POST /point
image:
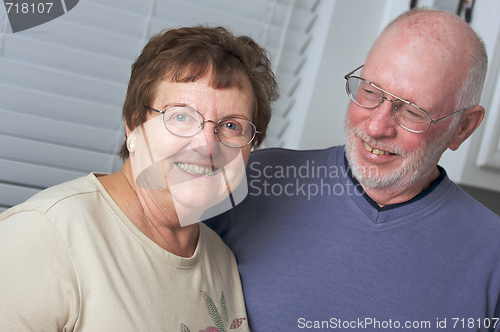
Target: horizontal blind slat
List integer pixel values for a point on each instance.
(70, 84)
(53, 105)
(56, 131)
(24, 174)
(107, 18)
(278, 126)
(88, 38)
(133, 6)
(59, 57)
(47, 154)
(11, 195)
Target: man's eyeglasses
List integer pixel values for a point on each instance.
(184, 121)
(408, 115)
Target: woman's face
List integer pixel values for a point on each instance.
(187, 175)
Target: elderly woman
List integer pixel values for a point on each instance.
(125, 251)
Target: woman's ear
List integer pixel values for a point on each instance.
(467, 125)
(130, 139)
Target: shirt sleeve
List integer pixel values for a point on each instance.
(38, 284)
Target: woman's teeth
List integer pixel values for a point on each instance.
(196, 170)
(376, 151)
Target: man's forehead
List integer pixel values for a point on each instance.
(427, 30)
(425, 85)
(422, 58)
(411, 54)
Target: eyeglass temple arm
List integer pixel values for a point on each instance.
(452, 114)
(352, 72)
(155, 110)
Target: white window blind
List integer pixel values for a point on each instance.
(63, 83)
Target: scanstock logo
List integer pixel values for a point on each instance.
(26, 14)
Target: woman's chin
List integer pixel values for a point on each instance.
(191, 196)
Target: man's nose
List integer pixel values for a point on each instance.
(381, 122)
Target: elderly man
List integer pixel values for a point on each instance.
(374, 235)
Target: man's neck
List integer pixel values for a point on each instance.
(400, 194)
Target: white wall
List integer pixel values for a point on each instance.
(352, 30)
(354, 27)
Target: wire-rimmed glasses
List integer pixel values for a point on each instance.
(184, 121)
(408, 115)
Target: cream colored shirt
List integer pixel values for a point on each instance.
(70, 260)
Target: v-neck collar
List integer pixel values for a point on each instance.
(395, 213)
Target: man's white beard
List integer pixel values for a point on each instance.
(416, 164)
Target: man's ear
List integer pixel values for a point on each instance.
(467, 125)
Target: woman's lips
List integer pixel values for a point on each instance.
(196, 169)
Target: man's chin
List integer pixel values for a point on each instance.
(376, 182)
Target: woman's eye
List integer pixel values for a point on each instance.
(230, 126)
(181, 117)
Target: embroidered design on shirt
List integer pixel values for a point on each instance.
(220, 318)
(237, 323)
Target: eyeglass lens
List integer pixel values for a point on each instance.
(368, 96)
(186, 122)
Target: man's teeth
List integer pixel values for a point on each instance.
(376, 151)
(196, 170)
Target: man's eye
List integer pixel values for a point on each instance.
(370, 93)
(410, 114)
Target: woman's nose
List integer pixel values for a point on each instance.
(206, 141)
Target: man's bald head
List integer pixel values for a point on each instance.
(441, 43)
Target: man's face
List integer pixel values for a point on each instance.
(381, 153)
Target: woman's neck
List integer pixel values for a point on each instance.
(162, 228)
